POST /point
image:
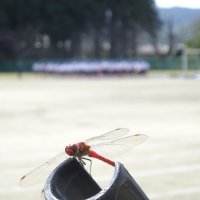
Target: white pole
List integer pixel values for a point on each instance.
(184, 61)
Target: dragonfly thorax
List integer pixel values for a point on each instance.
(77, 150)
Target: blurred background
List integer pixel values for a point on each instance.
(73, 70)
(49, 32)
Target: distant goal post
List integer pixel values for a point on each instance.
(190, 59)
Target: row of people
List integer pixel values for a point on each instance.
(89, 67)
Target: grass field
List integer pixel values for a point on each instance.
(40, 115)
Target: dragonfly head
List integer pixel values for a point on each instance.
(70, 150)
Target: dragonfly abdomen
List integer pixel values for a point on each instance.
(97, 156)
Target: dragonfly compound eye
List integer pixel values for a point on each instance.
(69, 151)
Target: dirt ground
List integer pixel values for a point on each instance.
(40, 115)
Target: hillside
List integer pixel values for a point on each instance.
(181, 17)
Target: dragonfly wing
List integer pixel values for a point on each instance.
(41, 172)
(119, 146)
(110, 136)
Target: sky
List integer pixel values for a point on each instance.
(179, 3)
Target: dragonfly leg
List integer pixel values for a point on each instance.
(42, 195)
(81, 161)
(89, 161)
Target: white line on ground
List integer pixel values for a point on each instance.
(177, 192)
(171, 170)
(160, 155)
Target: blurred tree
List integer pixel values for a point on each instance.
(129, 17)
(18, 27)
(195, 40)
(38, 28)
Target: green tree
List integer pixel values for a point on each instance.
(26, 25)
(129, 17)
(195, 40)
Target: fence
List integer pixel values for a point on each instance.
(156, 63)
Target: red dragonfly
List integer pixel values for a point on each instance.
(118, 141)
